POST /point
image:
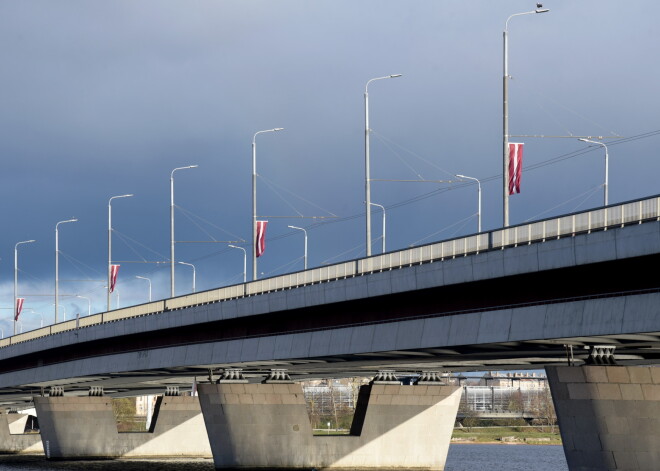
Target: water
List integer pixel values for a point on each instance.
(461, 458)
(506, 458)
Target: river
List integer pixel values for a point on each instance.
(460, 458)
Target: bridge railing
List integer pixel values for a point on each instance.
(632, 212)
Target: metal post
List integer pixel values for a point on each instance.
(607, 171)
(505, 113)
(110, 243)
(505, 131)
(244, 260)
(367, 170)
(149, 281)
(89, 304)
(16, 276)
(194, 276)
(254, 198)
(305, 232)
(383, 209)
(479, 198)
(57, 263)
(172, 225)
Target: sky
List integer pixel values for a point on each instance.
(99, 99)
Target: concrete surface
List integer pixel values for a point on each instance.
(85, 427)
(267, 426)
(609, 416)
(13, 438)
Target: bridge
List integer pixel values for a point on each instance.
(544, 294)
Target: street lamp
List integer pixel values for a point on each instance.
(110, 243)
(40, 314)
(149, 281)
(244, 260)
(367, 177)
(383, 209)
(479, 197)
(57, 263)
(254, 198)
(305, 232)
(505, 111)
(193, 268)
(89, 304)
(172, 225)
(16, 278)
(605, 185)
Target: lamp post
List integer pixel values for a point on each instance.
(149, 281)
(193, 269)
(40, 314)
(605, 185)
(16, 277)
(172, 225)
(89, 304)
(110, 243)
(383, 209)
(244, 260)
(505, 111)
(367, 177)
(305, 232)
(254, 198)
(479, 197)
(57, 263)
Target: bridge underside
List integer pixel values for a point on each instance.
(512, 309)
(631, 349)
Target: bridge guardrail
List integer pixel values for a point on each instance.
(133, 311)
(598, 219)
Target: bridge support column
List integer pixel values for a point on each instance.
(13, 438)
(266, 426)
(85, 428)
(609, 416)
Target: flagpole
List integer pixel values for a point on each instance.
(16, 277)
(254, 199)
(505, 114)
(367, 163)
(172, 226)
(110, 242)
(57, 263)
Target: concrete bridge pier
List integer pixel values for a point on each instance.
(13, 438)
(609, 416)
(85, 428)
(266, 426)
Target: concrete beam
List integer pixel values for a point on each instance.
(85, 428)
(13, 438)
(267, 426)
(609, 416)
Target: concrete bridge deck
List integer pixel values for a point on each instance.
(511, 299)
(508, 299)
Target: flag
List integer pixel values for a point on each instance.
(113, 276)
(515, 166)
(261, 237)
(19, 307)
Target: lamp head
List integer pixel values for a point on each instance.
(395, 75)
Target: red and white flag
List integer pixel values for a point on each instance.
(515, 166)
(113, 276)
(261, 237)
(19, 307)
